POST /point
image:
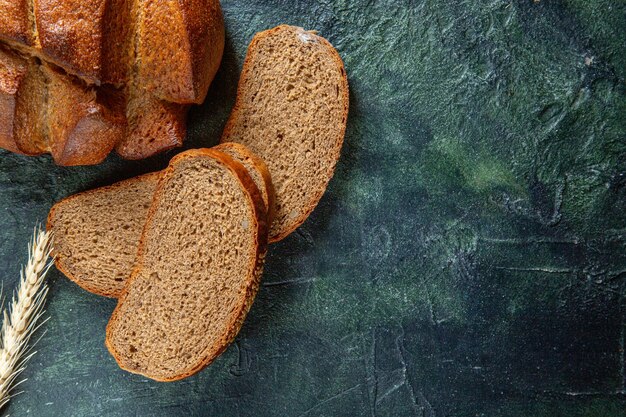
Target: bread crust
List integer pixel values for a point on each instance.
(180, 74)
(255, 267)
(59, 260)
(75, 45)
(243, 81)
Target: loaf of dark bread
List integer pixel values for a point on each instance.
(103, 74)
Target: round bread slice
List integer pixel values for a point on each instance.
(291, 111)
(96, 233)
(199, 264)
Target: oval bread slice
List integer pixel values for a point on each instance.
(291, 111)
(199, 264)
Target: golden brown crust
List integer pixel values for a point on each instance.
(245, 75)
(205, 25)
(256, 264)
(59, 259)
(183, 73)
(153, 126)
(76, 44)
(82, 127)
(15, 22)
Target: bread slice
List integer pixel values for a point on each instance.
(291, 110)
(96, 233)
(200, 261)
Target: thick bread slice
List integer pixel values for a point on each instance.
(199, 265)
(13, 70)
(96, 233)
(291, 110)
(179, 48)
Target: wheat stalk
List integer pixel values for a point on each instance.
(22, 315)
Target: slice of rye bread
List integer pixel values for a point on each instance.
(199, 265)
(291, 110)
(97, 232)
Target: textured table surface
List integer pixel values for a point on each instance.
(468, 259)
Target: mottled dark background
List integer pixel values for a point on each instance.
(468, 259)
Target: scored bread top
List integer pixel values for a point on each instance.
(183, 72)
(199, 265)
(96, 233)
(291, 111)
(13, 70)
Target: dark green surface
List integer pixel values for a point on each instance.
(468, 259)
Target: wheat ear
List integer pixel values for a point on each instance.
(21, 318)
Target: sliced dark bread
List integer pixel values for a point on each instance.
(291, 110)
(199, 264)
(96, 233)
(257, 170)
